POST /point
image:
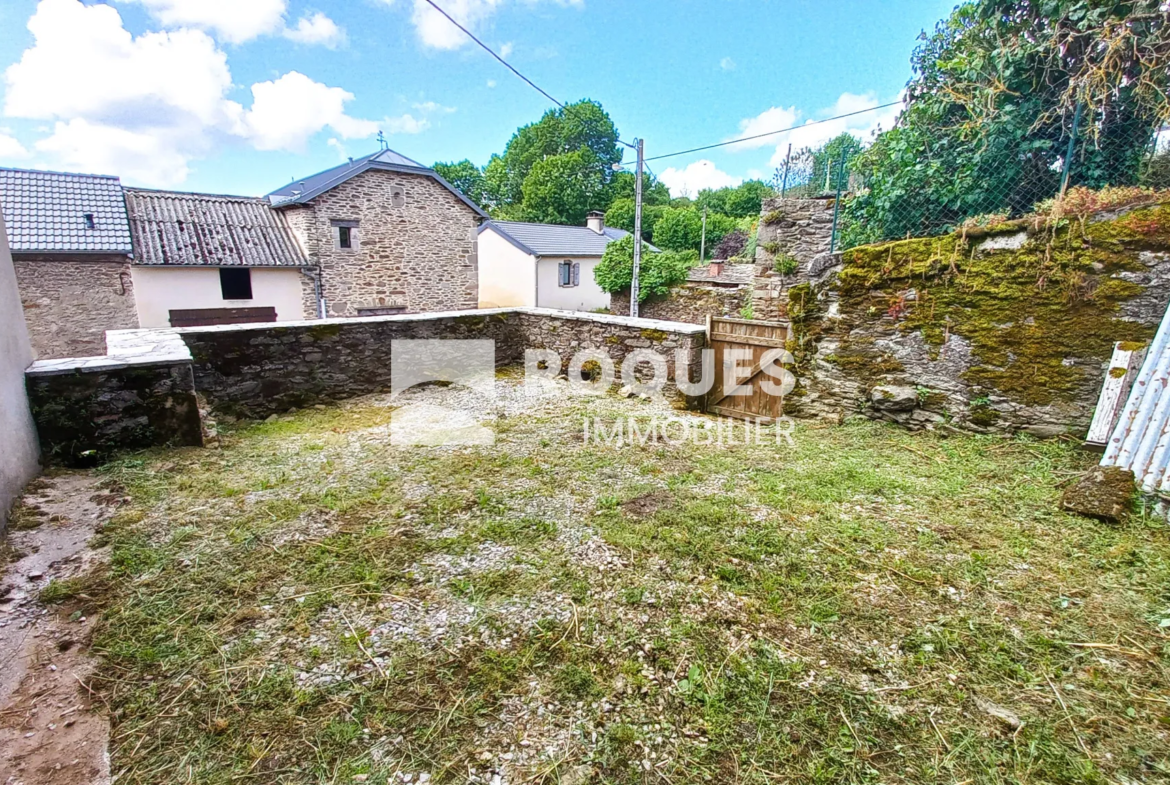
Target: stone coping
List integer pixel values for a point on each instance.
(165, 346)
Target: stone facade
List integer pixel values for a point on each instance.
(85, 413)
(801, 229)
(69, 303)
(420, 256)
(689, 302)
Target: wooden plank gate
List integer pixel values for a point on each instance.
(764, 340)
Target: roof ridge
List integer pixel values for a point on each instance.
(198, 194)
(61, 174)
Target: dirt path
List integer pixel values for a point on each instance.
(49, 730)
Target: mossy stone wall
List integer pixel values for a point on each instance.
(1009, 330)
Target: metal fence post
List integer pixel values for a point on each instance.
(784, 182)
(837, 205)
(1068, 154)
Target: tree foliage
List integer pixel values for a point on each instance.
(740, 201)
(990, 108)
(679, 229)
(657, 273)
(467, 177)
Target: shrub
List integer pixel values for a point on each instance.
(658, 272)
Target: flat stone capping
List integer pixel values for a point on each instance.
(125, 349)
(596, 318)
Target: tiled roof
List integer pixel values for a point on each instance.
(555, 240)
(737, 274)
(45, 212)
(307, 188)
(172, 228)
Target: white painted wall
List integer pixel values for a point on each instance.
(19, 447)
(158, 290)
(585, 296)
(507, 275)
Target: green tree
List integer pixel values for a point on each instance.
(562, 189)
(679, 229)
(620, 215)
(657, 273)
(621, 186)
(826, 162)
(739, 201)
(990, 111)
(467, 177)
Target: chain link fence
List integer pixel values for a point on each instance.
(987, 180)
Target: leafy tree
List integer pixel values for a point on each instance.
(826, 162)
(657, 273)
(732, 245)
(467, 177)
(679, 228)
(740, 201)
(582, 128)
(990, 111)
(621, 186)
(718, 226)
(620, 215)
(562, 189)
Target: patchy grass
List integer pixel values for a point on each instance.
(310, 604)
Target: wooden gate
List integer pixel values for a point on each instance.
(759, 338)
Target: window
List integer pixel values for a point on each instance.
(89, 222)
(345, 235)
(569, 273)
(235, 283)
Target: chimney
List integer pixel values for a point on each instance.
(596, 221)
(715, 269)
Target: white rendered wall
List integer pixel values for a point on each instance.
(507, 275)
(585, 296)
(159, 290)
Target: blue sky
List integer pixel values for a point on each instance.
(239, 96)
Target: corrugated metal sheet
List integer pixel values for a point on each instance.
(1141, 438)
(45, 212)
(171, 228)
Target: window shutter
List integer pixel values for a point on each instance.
(576, 273)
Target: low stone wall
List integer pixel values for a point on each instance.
(801, 229)
(689, 302)
(86, 410)
(144, 393)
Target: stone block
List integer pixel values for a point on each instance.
(1105, 493)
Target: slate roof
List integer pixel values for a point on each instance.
(307, 188)
(45, 212)
(554, 239)
(185, 229)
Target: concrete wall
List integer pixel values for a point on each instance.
(158, 290)
(507, 275)
(70, 302)
(585, 296)
(421, 254)
(18, 455)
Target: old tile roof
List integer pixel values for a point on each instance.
(307, 188)
(736, 274)
(554, 239)
(45, 212)
(172, 228)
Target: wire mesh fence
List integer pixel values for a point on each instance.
(991, 177)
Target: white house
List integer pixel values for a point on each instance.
(543, 265)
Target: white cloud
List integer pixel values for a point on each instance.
(316, 29)
(491, 83)
(817, 129)
(145, 107)
(506, 50)
(437, 32)
(727, 64)
(10, 146)
(234, 21)
(406, 124)
(430, 107)
(286, 112)
(695, 177)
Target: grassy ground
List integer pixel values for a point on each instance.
(307, 603)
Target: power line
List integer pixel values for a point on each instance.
(769, 133)
(503, 62)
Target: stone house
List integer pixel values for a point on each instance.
(379, 234)
(543, 265)
(71, 250)
(385, 235)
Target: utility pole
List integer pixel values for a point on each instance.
(637, 230)
(703, 241)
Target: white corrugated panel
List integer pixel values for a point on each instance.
(1141, 438)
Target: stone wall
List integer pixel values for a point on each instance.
(1011, 330)
(800, 229)
(70, 303)
(257, 371)
(421, 255)
(689, 302)
(19, 453)
(87, 410)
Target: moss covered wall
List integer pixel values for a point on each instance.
(1011, 329)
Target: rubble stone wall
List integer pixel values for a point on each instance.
(689, 302)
